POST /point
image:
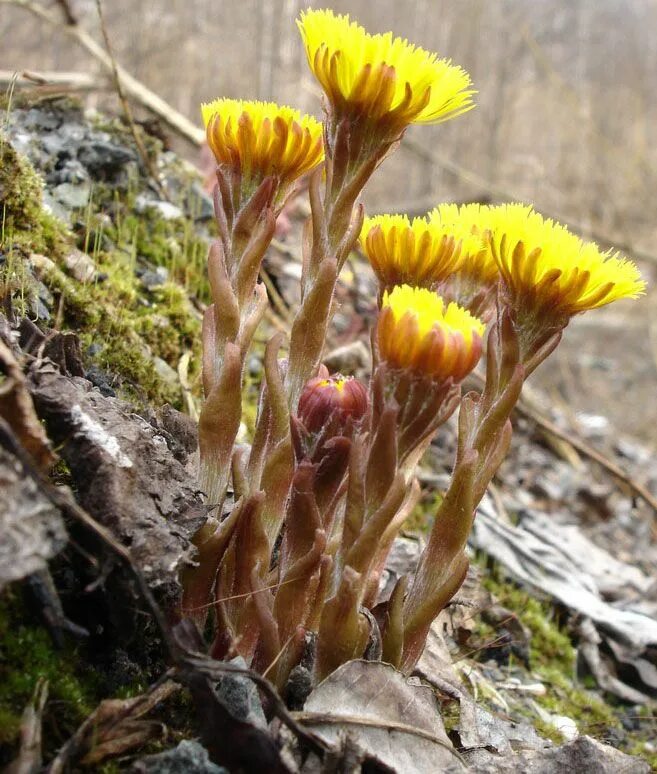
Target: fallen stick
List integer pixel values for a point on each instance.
(69, 80)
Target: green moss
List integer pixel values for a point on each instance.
(27, 654)
(549, 645)
(26, 226)
(423, 514)
(552, 659)
(112, 315)
(133, 326)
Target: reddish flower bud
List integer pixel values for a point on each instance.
(334, 399)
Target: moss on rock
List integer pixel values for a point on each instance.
(138, 335)
(25, 224)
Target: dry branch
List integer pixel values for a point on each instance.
(66, 80)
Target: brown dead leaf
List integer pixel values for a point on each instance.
(17, 409)
(391, 718)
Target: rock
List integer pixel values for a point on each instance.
(39, 119)
(188, 757)
(166, 373)
(182, 431)
(240, 696)
(350, 359)
(100, 379)
(53, 207)
(31, 527)
(80, 266)
(72, 171)
(125, 474)
(155, 278)
(581, 755)
(163, 209)
(73, 197)
(41, 264)
(198, 204)
(104, 159)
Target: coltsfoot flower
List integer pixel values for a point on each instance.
(468, 224)
(472, 285)
(416, 330)
(339, 398)
(549, 271)
(261, 139)
(380, 78)
(401, 251)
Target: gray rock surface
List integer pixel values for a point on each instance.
(31, 528)
(126, 474)
(188, 757)
(583, 755)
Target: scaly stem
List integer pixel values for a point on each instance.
(484, 436)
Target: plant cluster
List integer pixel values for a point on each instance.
(290, 564)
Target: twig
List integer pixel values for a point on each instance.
(131, 86)
(56, 78)
(321, 718)
(216, 669)
(68, 12)
(147, 160)
(588, 451)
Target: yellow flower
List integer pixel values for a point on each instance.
(401, 251)
(417, 331)
(384, 79)
(547, 269)
(468, 223)
(262, 139)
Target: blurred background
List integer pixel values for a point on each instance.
(566, 119)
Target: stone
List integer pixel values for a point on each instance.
(240, 696)
(31, 527)
(163, 209)
(126, 476)
(155, 278)
(105, 160)
(581, 755)
(80, 266)
(188, 757)
(74, 197)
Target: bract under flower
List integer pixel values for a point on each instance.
(417, 331)
(261, 139)
(402, 251)
(380, 77)
(549, 270)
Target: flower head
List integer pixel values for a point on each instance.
(472, 285)
(402, 251)
(417, 331)
(548, 270)
(380, 78)
(263, 139)
(337, 399)
(468, 224)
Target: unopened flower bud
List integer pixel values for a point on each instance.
(338, 400)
